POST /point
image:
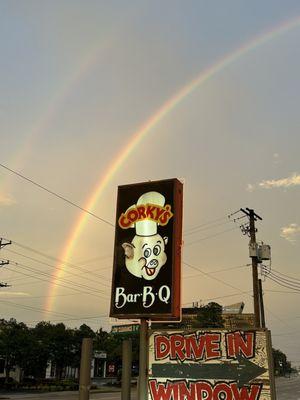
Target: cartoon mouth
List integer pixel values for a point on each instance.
(150, 271)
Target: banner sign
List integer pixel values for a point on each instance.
(210, 365)
(147, 254)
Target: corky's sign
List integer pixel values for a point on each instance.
(210, 365)
(147, 255)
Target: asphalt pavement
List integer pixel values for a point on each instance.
(288, 388)
(64, 396)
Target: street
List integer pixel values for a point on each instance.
(64, 396)
(288, 389)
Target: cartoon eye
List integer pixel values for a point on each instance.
(156, 250)
(147, 252)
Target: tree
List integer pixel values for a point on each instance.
(209, 316)
(84, 331)
(281, 365)
(14, 344)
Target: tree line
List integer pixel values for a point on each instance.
(32, 349)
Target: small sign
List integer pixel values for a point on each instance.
(100, 354)
(129, 328)
(211, 365)
(147, 255)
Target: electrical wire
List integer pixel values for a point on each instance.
(211, 236)
(210, 276)
(67, 272)
(55, 283)
(56, 195)
(204, 224)
(286, 276)
(80, 285)
(35, 309)
(218, 271)
(49, 257)
(207, 228)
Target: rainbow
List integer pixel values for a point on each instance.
(56, 102)
(145, 129)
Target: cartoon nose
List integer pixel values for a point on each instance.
(153, 263)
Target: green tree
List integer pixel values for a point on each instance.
(209, 316)
(84, 331)
(14, 344)
(281, 364)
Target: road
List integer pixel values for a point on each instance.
(288, 389)
(64, 396)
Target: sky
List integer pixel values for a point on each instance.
(97, 94)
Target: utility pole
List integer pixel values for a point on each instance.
(85, 369)
(261, 302)
(253, 217)
(3, 243)
(126, 369)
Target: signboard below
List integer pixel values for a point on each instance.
(129, 328)
(210, 365)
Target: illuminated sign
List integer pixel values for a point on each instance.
(147, 255)
(211, 365)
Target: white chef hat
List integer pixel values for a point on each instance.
(148, 227)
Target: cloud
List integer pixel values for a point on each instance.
(6, 199)
(250, 188)
(293, 180)
(290, 232)
(9, 294)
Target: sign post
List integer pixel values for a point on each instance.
(143, 366)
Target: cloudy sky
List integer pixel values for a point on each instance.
(96, 94)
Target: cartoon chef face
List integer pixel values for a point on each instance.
(145, 255)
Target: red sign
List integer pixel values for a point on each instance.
(147, 255)
(210, 365)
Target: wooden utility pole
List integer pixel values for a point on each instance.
(126, 369)
(262, 308)
(252, 232)
(85, 369)
(143, 375)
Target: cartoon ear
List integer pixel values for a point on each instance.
(166, 239)
(128, 250)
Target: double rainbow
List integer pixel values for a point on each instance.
(144, 130)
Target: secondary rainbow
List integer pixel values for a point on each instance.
(145, 129)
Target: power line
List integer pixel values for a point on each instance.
(80, 285)
(35, 309)
(212, 277)
(56, 283)
(186, 232)
(233, 287)
(207, 228)
(66, 272)
(218, 271)
(56, 194)
(49, 257)
(286, 276)
(211, 236)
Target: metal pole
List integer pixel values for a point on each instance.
(262, 308)
(85, 369)
(126, 369)
(254, 271)
(143, 372)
